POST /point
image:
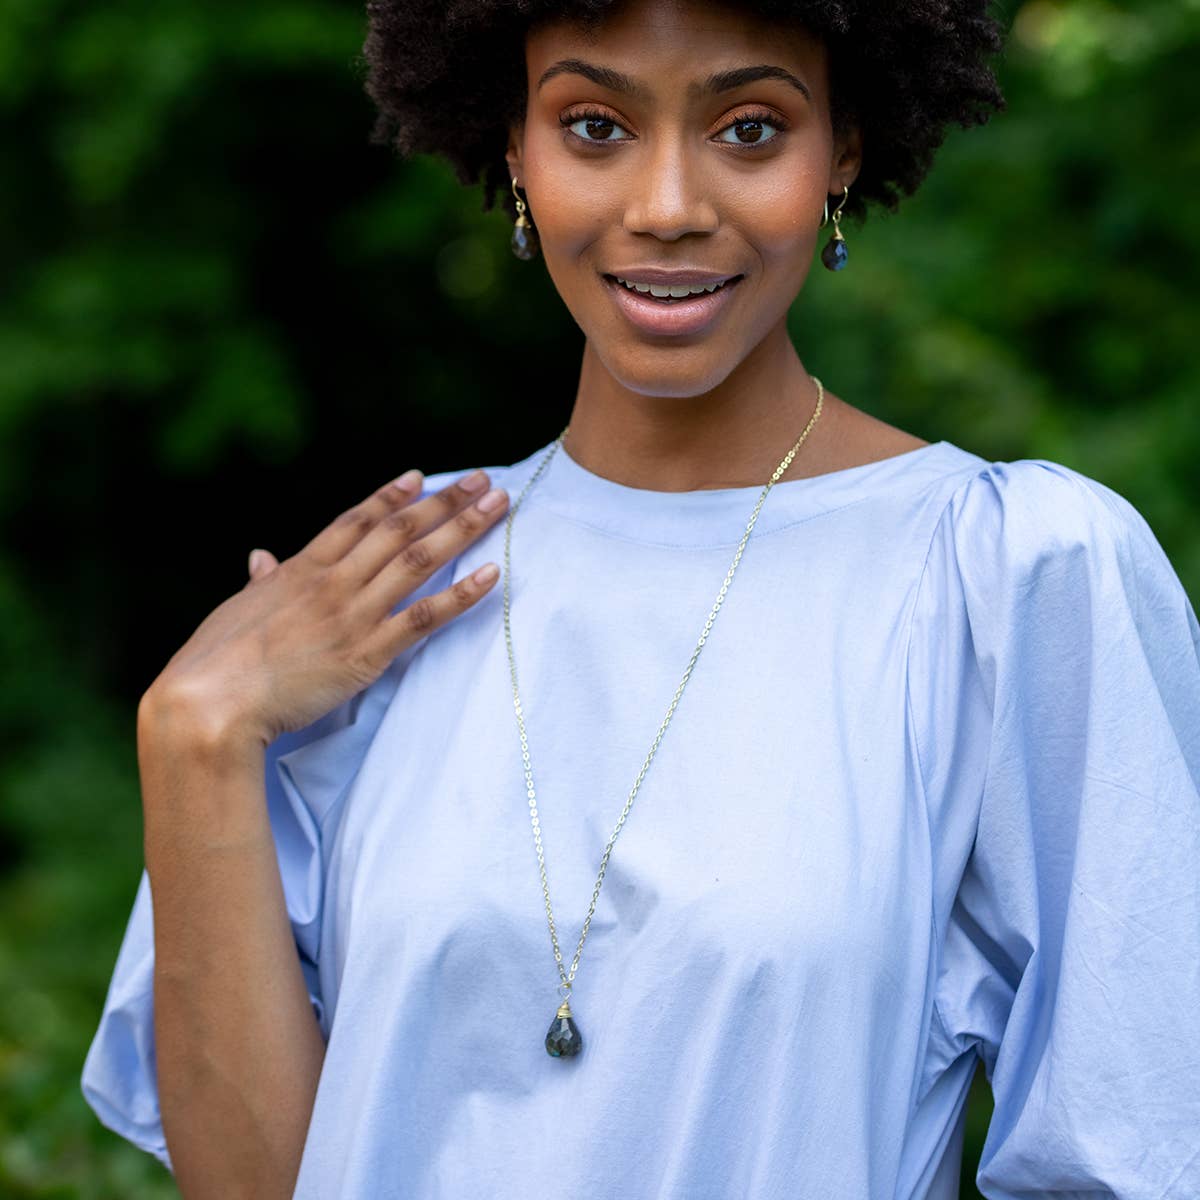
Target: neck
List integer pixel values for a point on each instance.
(733, 435)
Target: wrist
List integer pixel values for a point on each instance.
(170, 720)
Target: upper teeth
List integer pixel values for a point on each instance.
(655, 289)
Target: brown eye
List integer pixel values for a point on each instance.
(592, 127)
(749, 130)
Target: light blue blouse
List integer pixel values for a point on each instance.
(929, 796)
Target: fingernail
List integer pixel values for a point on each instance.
(486, 573)
(491, 501)
(409, 481)
(255, 560)
(473, 482)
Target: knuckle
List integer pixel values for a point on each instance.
(464, 593)
(450, 498)
(417, 557)
(470, 520)
(326, 586)
(393, 496)
(401, 522)
(356, 519)
(422, 615)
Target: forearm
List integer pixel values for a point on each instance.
(239, 1051)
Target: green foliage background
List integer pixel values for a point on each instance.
(224, 317)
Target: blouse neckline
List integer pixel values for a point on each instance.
(718, 516)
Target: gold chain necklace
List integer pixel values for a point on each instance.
(563, 1039)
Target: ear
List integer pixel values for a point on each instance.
(514, 154)
(847, 159)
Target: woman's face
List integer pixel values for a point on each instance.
(678, 137)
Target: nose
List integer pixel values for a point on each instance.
(670, 193)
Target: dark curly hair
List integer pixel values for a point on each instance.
(448, 78)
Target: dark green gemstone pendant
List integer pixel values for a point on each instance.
(563, 1040)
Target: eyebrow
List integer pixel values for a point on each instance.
(721, 81)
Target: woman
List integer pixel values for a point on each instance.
(925, 789)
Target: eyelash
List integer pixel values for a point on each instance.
(747, 118)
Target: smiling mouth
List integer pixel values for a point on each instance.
(671, 295)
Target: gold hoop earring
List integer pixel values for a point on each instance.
(525, 242)
(835, 255)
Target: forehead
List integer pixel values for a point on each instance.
(676, 38)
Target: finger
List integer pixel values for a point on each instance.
(429, 613)
(262, 562)
(351, 526)
(412, 565)
(398, 532)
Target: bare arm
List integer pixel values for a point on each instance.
(239, 1050)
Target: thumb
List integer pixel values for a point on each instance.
(261, 563)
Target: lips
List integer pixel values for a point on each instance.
(670, 315)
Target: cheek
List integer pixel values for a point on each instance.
(569, 207)
(779, 214)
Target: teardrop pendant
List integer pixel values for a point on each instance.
(524, 239)
(563, 1040)
(835, 255)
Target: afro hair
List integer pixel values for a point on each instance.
(448, 78)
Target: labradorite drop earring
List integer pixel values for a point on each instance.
(835, 255)
(524, 237)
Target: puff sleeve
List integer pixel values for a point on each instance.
(308, 773)
(1070, 952)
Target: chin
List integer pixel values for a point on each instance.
(667, 371)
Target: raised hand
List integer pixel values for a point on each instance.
(309, 632)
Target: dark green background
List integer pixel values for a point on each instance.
(224, 317)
